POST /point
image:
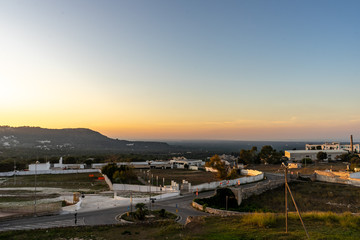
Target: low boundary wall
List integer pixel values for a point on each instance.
(254, 177)
(146, 199)
(141, 188)
(24, 173)
(335, 179)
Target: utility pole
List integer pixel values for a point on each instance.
(227, 197)
(130, 201)
(14, 171)
(36, 163)
(286, 204)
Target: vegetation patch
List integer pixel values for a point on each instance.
(66, 181)
(309, 196)
(177, 175)
(254, 226)
(143, 214)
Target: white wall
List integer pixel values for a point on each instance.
(23, 173)
(39, 166)
(355, 175)
(255, 176)
(141, 188)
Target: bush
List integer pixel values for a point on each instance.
(162, 213)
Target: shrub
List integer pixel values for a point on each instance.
(162, 213)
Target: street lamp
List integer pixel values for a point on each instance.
(14, 171)
(36, 163)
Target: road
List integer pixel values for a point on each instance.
(180, 206)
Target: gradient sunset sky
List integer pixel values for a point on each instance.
(183, 69)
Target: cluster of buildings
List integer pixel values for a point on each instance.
(181, 163)
(333, 151)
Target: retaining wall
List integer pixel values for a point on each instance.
(215, 211)
(335, 179)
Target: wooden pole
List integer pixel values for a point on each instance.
(307, 234)
(286, 203)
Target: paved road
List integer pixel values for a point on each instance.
(180, 206)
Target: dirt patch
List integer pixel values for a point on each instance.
(178, 175)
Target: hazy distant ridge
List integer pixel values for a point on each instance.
(76, 139)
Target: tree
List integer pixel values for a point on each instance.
(232, 174)
(354, 162)
(141, 211)
(216, 163)
(321, 156)
(109, 170)
(248, 156)
(70, 160)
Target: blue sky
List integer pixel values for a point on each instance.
(242, 70)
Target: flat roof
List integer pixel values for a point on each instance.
(316, 151)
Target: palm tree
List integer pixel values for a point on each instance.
(141, 211)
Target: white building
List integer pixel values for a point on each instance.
(61, 165)
(180, 163)
(39, 167)
(332, 146)
(298, 155)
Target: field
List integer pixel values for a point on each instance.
(194, 177)
(65, 181)
(309, 196)
(255, 226)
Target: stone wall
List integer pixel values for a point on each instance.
(261, 187)
(214, 210)
(242, 193)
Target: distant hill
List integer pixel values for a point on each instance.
(77, 139)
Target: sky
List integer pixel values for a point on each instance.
(183, 69)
